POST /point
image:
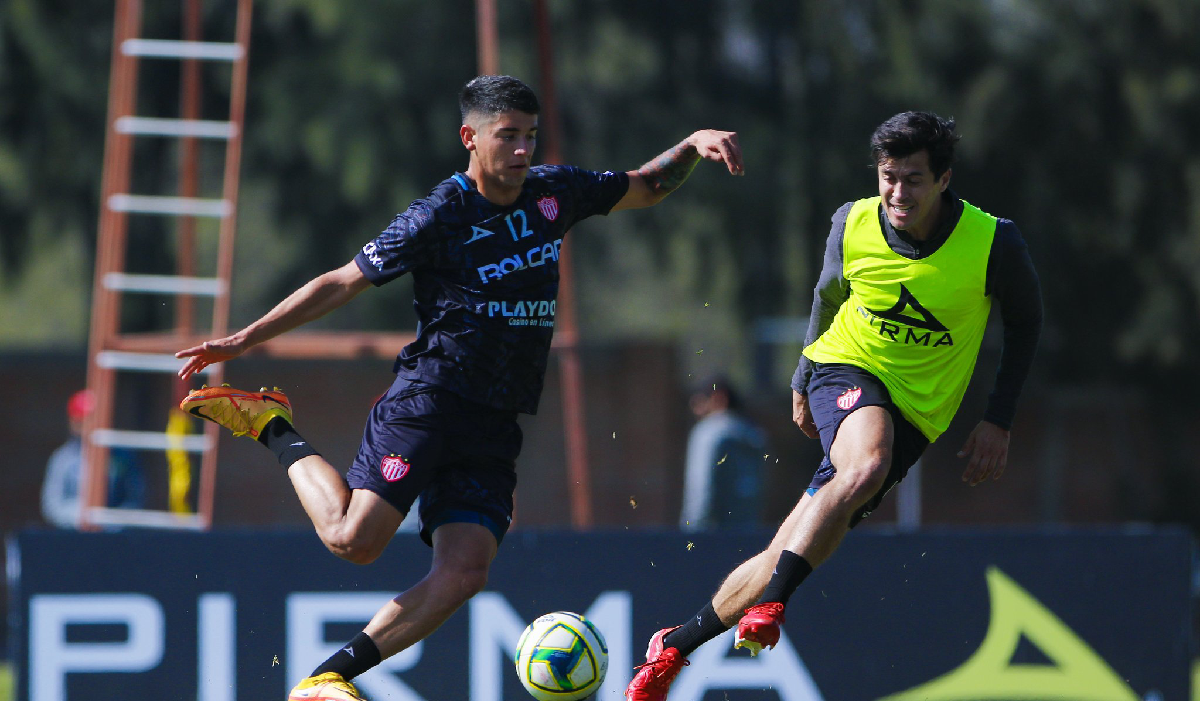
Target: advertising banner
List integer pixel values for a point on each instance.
(931, 616)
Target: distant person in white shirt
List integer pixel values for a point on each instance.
(64, 472)
(723, 479)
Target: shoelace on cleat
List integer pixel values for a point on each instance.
(772, 609)
(338, 684)
(661, 667)
(346, 687)
(225, 414)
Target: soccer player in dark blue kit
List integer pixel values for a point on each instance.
(483, 248)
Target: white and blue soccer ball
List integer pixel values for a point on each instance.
(561, 656)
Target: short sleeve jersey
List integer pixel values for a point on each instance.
(485, 279)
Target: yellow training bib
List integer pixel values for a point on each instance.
(914, 324)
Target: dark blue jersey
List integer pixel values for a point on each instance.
(485, 279)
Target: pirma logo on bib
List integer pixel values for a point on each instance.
(394, 467)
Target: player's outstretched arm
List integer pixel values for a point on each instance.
(317, 298)
(660, 177)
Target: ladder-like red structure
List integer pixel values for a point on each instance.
(110, 351)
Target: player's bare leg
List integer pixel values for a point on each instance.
(814, 528)
(355, 525)
(745, 584)
(862, 454)
(818, 522)
(462, 555)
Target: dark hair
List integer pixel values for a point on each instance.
(489, 95)
(910, 132)
(719, 384)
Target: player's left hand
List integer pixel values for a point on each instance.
(720, 146)
(207, 353)
(987, 447)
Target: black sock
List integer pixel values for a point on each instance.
(281, 438)
(701, 628)
(359, 655)
(790, 571)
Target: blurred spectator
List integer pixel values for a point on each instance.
(723, 479)
(60, 490)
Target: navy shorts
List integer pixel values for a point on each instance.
(458, 456)
(834, 392)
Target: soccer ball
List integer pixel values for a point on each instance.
(561, 657)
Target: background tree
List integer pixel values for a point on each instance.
(1076, 116)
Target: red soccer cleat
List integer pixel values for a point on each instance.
(655, 676)
(759, 628)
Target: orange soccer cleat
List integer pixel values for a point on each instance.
(244, 413)
(329, 686)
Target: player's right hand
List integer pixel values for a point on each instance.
(720, 146)
(802, 416)
(207, 353)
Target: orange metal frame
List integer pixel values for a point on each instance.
(110, 249)
(113, 229)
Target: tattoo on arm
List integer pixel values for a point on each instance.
(667, 172)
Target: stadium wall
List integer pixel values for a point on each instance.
(1060, 468)
(1069, 615)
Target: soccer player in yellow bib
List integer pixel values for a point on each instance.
(899, 312)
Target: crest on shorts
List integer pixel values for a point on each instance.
(849, 398)
(548, 206)
(394, 467)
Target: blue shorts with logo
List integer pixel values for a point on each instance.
(834, 392)
(458, 456)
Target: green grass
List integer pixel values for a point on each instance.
(7, 692)
(1195, 682)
